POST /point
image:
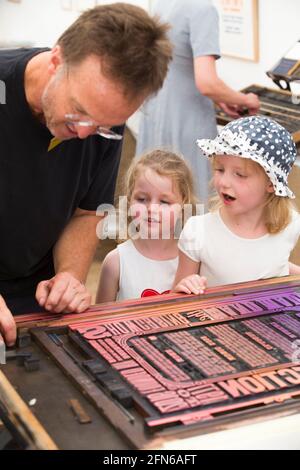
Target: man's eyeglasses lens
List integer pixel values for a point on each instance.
(75, 120)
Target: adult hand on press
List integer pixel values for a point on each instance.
(230, 109)
(63, 293)
(7, 324)
(252, 103)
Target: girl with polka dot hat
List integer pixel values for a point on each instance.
(253, 225)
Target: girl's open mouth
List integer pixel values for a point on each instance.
(228, 198)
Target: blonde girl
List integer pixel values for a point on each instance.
(158, 185)
(254, 227)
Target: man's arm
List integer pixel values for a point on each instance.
(75, 249)
(73, 255)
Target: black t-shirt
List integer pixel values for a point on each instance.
(42, 184)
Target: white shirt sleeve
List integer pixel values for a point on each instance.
(192, 237)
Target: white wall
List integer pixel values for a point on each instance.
(35, 22)
(279, 29)
(40, 22)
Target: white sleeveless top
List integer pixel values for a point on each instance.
(141, 276)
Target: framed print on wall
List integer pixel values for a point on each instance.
(239, 28)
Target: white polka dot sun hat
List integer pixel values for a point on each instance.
(262, 140)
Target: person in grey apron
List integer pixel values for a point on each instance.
(183, 110)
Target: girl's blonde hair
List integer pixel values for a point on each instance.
(277, 211)
(164, 163)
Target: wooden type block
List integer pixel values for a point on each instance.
(23, 340)
(32, 364)
(95, 366)
(21, 357)
(116, 388)
(79, 412)
(108, 380)
(123, 396)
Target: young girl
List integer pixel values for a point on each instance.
(254, 227)
(158, 185)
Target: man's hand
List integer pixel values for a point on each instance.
(193, 284)
(7, 324)
(63, 293)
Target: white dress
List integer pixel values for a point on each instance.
(141, 276)
(179, 115)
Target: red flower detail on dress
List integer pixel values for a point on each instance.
(151, 292)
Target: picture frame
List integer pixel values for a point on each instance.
(239, 28)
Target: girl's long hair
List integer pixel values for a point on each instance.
(164, 163)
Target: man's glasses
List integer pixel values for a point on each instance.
(75, 120)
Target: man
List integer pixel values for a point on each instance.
(59, 151)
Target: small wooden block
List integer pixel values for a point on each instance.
(32, 364)
(24, 340)
(79, 412)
